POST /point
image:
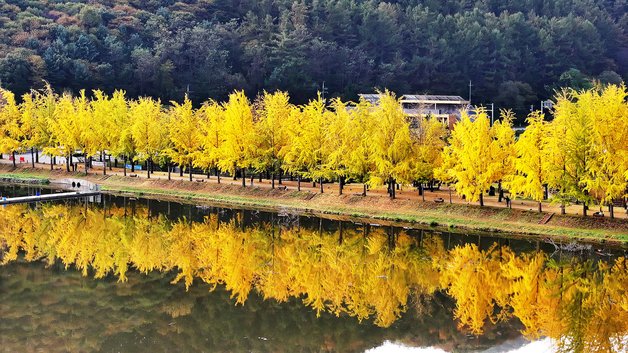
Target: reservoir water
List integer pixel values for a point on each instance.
(141, 275)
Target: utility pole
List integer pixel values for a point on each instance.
(470, 92)
(492, 113)
(323, 91)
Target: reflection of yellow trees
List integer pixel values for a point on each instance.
(581, 304)
(474, 279)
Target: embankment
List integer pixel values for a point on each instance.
(372, 208)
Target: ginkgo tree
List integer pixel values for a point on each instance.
(314, 147)
(211, 135)
(358, 156)
(607, 168)
(271, 131)
(185, 140)
(391, 143)
(468, 158)
(428, 143)
(10, 130)
(237, 149)
(531, 175)
(292, 153)
(148, 130)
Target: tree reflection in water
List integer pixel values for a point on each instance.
(370, 273)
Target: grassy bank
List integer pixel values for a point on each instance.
(377, 208)
(24, 178)
(498, 221)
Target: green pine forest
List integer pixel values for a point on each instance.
(515, 52)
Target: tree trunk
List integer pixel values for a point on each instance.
(280, 175)
(420, 189)
(169, 166)
(584, 209)
(148, 168)
(260, 177)
(562, 208)
(481, 199)
(394, 191)
(37, 156)
(364, 189)
(190, 171)
(180, 170)
(540, 207)
(252, 179)
(450, 202)
(68, 161)
(545, 192)
(431, 185)
(243, 178)
(272, 180)
(321, 182)
(340, 185)
(104, 163)
(115, 163)
(33, 157)
(132, 165)
(611, 210)
(208, 173)
(124, 166)
(51, 163)
(299, 182)
(500, 191)
(13, 156)
(422, 192)
(218, 175)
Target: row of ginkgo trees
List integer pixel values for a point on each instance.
(581, 155)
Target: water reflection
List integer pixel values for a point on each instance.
(380, 274)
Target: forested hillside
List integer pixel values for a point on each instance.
(514, 51)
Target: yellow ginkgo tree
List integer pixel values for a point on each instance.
(211, 135)
(10, 130)
(428, 143)
(530, 175)
(359, 147)
(238, 148)
(607, 177)
(271, 131)
(185, 138)
(149, 130)
(468, 158)
(391, 143)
